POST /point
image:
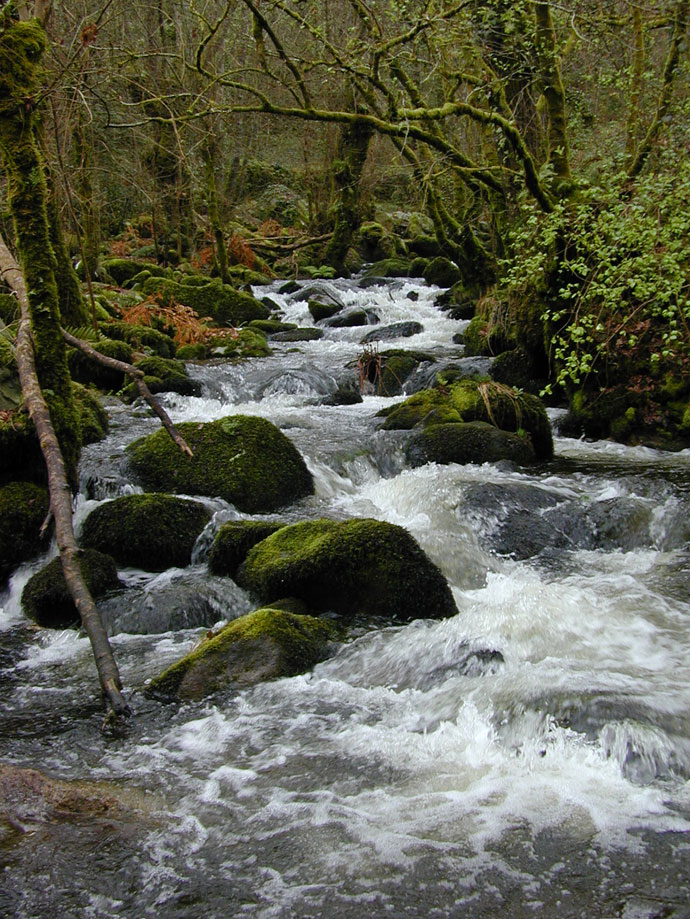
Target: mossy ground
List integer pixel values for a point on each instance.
(151, 531)
(265, 644)
(355, 567)
(245, 460)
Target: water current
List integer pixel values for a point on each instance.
(529, 756)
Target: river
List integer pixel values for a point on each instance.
(529, 756)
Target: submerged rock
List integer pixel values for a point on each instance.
(23, 508)
(353, 567)
(245, 460)
(46, 599)
(263, 645)
(152, 531)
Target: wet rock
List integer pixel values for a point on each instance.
(352, 319)
(245, 460)
(396, 368)
(471, 442)
(442, 272)
(263, 645)
(354, 567)
(152, 531)
(324, 293)
(172, 601)
(396, 330)
(298, 335)
(320, 311)
(46, 599)
(271, 326)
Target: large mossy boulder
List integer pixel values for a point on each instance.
(46, 599)
(93, 418)
(473, 442)
(245, 460)
(141, 338)
(20, 452)
(85, 369)
(233, 542)
(23, 509)
(151, 531)
(225, 305)
(355, 567)
(469, 400)
(389, 268)
(122, 270)
(263, 645)
(442, 272)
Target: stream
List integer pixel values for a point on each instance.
(529, 756)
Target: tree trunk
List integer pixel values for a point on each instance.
(554, 94)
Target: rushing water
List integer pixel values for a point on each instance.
(529, 756)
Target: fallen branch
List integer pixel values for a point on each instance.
(61, 498)
(267, 244)
(138, 377)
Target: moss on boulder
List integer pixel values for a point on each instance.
(389, 268)
(233, 542)
(225, 305)
(141, 338)
(442, 272)
(263, 645)
(245, 460)
(20, 452)
(23, 508)
(151, 531)
(473, 442)
(123, 270)
(46, 599)
(396, 366)
(246, 343)
(354, 567)
(469, 400)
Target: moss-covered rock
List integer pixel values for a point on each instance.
(271, 326)
(245, 460)
(233, 542)
(85, 369)
(141, 338)
(305, 334)
(23, 508)
(151, 531)
(164, 375)
(484, 338)
(196, 352)
(122, 270)
(245, 343)
(321, 311)
(396, 367)
(442, 272)
(470, 400)
(225, 305)
(389, 268)
(46, 599)
(474, 442)
(263, 645)
(516, 368)
(20, 452)
(355, 567)
(93, 418)
(375, 241)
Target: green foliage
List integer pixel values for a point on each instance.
(612, 266)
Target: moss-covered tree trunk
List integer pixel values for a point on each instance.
(554, 94)
(22, 45)
(209, 155)
(347, 169)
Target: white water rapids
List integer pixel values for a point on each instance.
(529, 756)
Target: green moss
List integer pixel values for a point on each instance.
(263, 645)
(124, 270)
(23, 509)
(93, 419)
(389, 268)
(46, 599)
(396, 366)
(468, 400)
(195, 352)
(271, 326)
(225, 305)
(245, 460)
(442, 272)
(141, 338)
(9, 308)
(354, 567)
(247, 343)
(474, 442)
(86, 370)
(152, 531)
(234, 540)
(321, 311)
